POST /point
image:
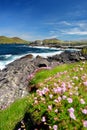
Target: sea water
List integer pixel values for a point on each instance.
(11, 52)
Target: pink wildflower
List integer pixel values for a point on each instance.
(70, 100)
(63, 85)
(69, 85)
(72, 115)
(71, 93)
(82, 101)
(55, 127)
(36, 101)
(55, 84)
(85, 123)
(50, 107)
(59, 98)
(84, 111)
(39, 92)
(59, 89)
(63, 97)
(56, 101)
(75, 77)
(45, 90)
(76, 93)
(50, 96)
(76, 88)
(71, 109)
(55, 90)
(81, 68)
(64, 89)
(85, 83)
(56, 110)
(43, 119)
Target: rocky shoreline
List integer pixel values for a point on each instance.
(14, 78)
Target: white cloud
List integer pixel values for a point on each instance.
(65, 23)
(74, 31)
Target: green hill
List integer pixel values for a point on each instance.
(4, 40)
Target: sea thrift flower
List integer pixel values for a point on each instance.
(72, 115)
(59, 98)
(51, 96)
(76, 93)
(76, 88)
(70, 100)
(56, 110)
(55, 127)
(82, 101)
(75, 77)
(84, 111)
(36, 101)
(19, 128)
(50, 127)
(45, 90)
(85, 83)
(43, 119)
(64, 89)
(56, 101)
(63, 85)
(59, 90)
(50, 107)
(69, 85)
(39, 92)
(71, 109)
(55, 84)
(63, 97)
(71, 93)
(85, 123)
(81, 68)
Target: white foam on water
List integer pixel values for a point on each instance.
(10, 58)
(45, 55)
(45, 47)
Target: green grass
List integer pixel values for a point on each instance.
(40, 105)
(13, 114)
(42, 75)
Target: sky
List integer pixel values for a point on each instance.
(43, 19)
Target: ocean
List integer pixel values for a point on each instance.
(11, 52)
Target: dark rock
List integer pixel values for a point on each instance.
(66, 57)
(41, 62)
(28, 56)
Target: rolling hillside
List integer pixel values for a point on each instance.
(4, 40)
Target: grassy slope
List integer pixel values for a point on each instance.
(4, 39)
(72, 74)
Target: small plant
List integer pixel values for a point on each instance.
(84, 51)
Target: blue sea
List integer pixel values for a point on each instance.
(11, 52)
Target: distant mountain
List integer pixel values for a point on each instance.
(4, 39)
(46, 41)
(53, 40)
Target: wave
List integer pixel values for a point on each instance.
(10, 58)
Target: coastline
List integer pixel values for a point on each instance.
(14, 78)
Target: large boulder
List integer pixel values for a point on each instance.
(41, 62)
(66, 57)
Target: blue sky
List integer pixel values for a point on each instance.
(40, 19)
